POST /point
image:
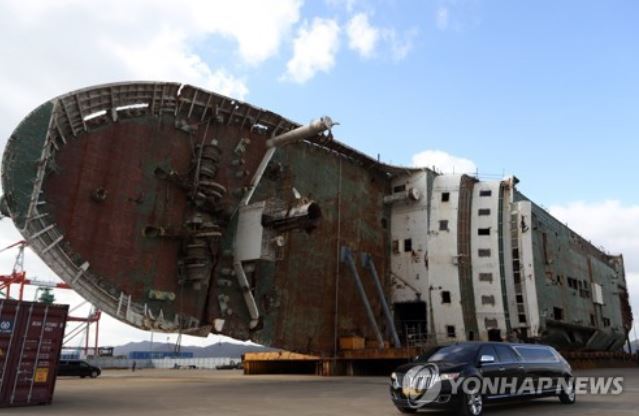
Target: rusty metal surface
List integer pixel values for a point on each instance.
(133, 193)
(130, 193)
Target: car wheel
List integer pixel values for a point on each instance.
(568, 395)
(472, 404)
(94, 374)
(407, 410)
(83, 376)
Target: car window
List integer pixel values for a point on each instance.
(506, 354)
(452, 353)
(536, 354)
(488, 350)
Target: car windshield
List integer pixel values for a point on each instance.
(452, 353)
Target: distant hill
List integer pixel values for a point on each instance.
(219, 349)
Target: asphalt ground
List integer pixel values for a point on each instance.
(212, 393)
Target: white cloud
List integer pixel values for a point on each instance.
(57, 46)
(442, 18)
(400, 43)
(314, 50)
(443, 162)
(612, 225)
(608, 223)
(362, 36)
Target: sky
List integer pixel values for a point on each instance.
(545, 90)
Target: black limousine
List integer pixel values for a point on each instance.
(465, 375)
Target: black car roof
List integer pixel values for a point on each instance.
(511, 344)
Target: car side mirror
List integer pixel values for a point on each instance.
(487, 359)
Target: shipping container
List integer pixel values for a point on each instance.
(30, 342)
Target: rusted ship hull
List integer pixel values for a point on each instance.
(180, 210)
(101, 183)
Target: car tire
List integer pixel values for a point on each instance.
(568, 397)
(83, 376)
(94, 374)
(405, 410)
(472, 404)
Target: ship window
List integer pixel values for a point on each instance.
(572, 283)
(485, 192)
(445, 296)
(606, 322)
(484, 211)
(483, 231)
(395, 246)
(483, 252)
(450, 331)
(399, 188)
(443, 225)
(445, 196)
(485, 277)
(490, 323)
(558, 314)
(408, 245)
(488, 300)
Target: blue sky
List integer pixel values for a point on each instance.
(545, 90)
(548, 91)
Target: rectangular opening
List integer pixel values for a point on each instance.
(606, 322)
(485, 192)
(557, 314)
(443, 225)
(490, 323)
(572, 283)
(395, 246)
(408, 245)
(520, 298)
(488, 300)
(485, 277)
(483, 252)
(483, 211)
(410, 318)
(592, 320)
(450, 331)
(522, 318)
(483, 231)
(445, 296)
(445, 196)
(399, 188)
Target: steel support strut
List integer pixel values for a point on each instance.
(347, 257)
(367, 261)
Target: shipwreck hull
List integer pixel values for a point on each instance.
(134, 194)
(180, 210)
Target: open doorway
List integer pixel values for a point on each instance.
(410, 318)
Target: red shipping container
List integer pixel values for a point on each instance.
(30, 342)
